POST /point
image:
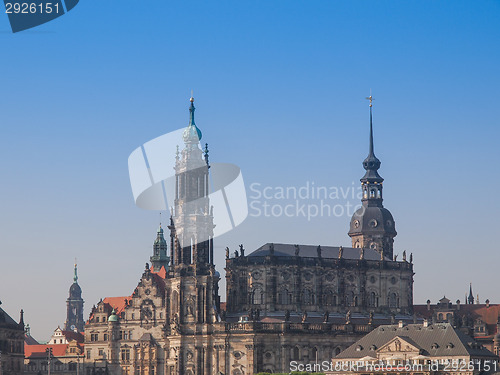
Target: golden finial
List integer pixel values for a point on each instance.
(191, 99)
(370, 98)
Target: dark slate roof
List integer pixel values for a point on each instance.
(422, 337)
(6, 319)
(310, 251)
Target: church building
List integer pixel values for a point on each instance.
(284, 301)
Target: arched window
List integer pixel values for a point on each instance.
(350, 299)
(393, 300)
(283, 297)
(440, 316)
(295, 353)
(257, 296)
(306, 295)
(314, 353)
(372, 299)
(328, 298)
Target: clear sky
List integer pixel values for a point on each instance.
(279, 89)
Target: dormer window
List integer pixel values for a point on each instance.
(434, 346)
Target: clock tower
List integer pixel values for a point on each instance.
(74, 315)
(372, 226)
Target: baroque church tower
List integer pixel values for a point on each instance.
(192, 293)
(159, 258)
(372, 226)
(74, 315)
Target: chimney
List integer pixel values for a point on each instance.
(426, 323)
(487, 303)
(458, 304)
(400, 324)
(428, 305)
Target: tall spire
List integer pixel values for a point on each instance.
(372, 226)
(371, 164)
(371, 127)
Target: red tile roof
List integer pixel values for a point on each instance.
(117, 303)
(58, 350)
(72, 335)
(489, 315)
(162, 272)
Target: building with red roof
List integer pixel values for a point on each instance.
(63, 359)
(481, 321)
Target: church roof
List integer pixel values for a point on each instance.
(450, 341)
(5, 318)
(30, 340)
(311, 251)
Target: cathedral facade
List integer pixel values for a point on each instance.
(285, 302)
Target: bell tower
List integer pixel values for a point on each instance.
(74, 303)
(159, 258)
(372, 225)
(192, 217)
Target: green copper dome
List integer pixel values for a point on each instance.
(113, 317)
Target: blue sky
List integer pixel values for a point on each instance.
(279, 89)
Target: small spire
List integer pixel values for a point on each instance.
(206, 153)
(21, 318)
(191, 112)
(75, 277)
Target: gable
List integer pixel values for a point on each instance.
(400, 344)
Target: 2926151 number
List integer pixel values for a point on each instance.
(31, 8)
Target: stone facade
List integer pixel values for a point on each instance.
(416, 348)
(480, 321)
(11, 344)
(65, 359)
(326, 279)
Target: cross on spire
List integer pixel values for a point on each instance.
(370, 98)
